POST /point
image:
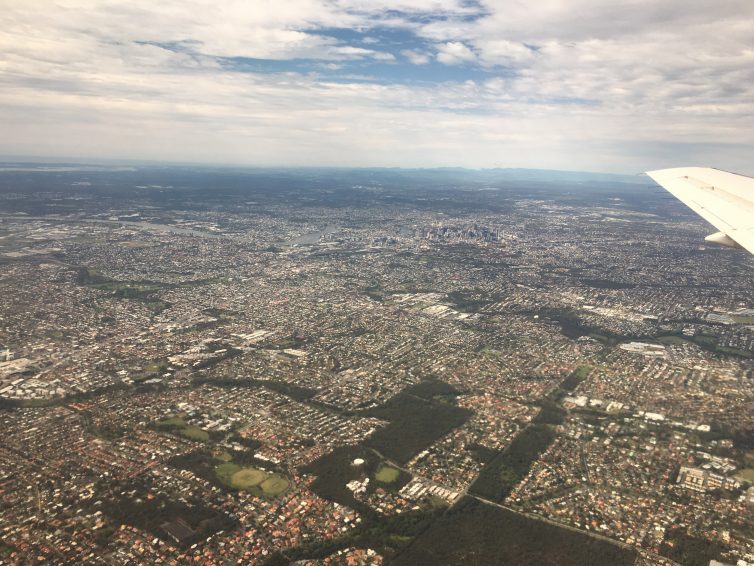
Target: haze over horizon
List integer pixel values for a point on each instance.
(582, 85)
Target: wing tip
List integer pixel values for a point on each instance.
(660, 175)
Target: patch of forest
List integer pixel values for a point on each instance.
(468, 303)
(145, 291)
(501, 474)
(476, 533)
(414, 424)
(386, 534)
(690, 551)
(296, 392)
(335, 469)
(160, 516)
(432, 389)
(575, 378)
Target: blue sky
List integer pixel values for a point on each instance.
(584, 84)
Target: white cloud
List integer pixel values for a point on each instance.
(503, 52)
(416, 57)
(454, 53)
(583, 84)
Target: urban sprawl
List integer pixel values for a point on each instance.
(272, 376)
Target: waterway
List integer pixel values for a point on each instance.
(312, 237)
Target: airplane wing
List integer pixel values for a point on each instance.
(723, 199)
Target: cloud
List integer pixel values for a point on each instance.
(503, 52)
(454, 53)
(416, 57)
(583, 84)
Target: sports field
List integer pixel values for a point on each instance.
(194, 433)
(247, 477)
(387, 474)
(251, 479)
(274, 485)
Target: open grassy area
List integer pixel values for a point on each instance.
(172, 421)
(250, 479)
(274, 485)
(194, 433)
(582, 371)
(599, 337)
(734, 351)
(747, 474)
(247, 477)
(387, 474)
(224, 456)
(436, 502)
(225, 471)
(576, 377)
(177, 425)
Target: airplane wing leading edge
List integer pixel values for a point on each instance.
(723, 199)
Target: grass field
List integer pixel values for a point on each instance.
(254, 480)
(578, 375)
(747, 474)
(437, 502)
(247, 477)
(224, 456)
(194, 433)
(582, 372)
(387, 474)
(225, 472)
(178, 425)
(274, 485)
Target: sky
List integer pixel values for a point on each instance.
(594, 85)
